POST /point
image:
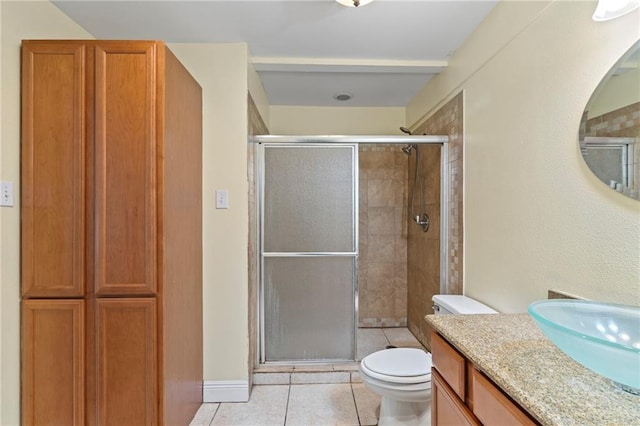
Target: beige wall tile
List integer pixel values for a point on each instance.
(423, 249)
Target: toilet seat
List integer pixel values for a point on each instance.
(398, 365)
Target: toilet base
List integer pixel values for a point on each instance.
(402, 413)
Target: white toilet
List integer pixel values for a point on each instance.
(402, 376)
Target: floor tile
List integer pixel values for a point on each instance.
(268, 368)
(310, 404)
(348, 366)
(402, 338)
(328, 377)
(330, 404)
(267, 406)
(205, 414)
(311, 368)
(271, 378)
(355, 377)
(367, 404)
(370, 340)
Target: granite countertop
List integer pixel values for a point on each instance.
(512, 351)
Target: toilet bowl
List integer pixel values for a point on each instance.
(402, 376)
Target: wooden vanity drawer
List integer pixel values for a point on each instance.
(492, 407)
(449, 363)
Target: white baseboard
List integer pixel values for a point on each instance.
(226, 391)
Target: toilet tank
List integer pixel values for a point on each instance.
(457, 304)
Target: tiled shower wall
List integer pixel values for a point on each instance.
(423, 261)
(622, 122)
(423, 271)
(382, 266)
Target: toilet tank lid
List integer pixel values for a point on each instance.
(458, 304)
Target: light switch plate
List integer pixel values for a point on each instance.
(6, 193)
(222, 199)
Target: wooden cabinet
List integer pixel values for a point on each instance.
(463, 395)
(451, 364)
(492, 406)
(54, 170)
(53, 362)
(451, 397)
(447, 409)
(111, 234)
(125, 169)
(124, 397)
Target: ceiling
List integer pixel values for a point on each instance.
(306, 51)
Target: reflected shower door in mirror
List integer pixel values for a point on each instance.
(610, 127)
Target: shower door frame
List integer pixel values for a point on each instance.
(323, 140)
(262, 254)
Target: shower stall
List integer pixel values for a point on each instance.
(315, 245)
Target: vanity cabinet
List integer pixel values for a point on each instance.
(111, 234)
(463, 395)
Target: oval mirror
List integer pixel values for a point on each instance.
(610, 127)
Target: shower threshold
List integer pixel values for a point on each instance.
(311, 372)
(306, 373)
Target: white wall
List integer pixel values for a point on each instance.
(20, 20)
(620, 91)
(221, 70)
(258, 93)
(535, 216)
(504, 23)
(292, 120)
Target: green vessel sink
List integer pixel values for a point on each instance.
(603, 337)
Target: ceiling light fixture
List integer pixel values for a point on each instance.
(342, 97)
(354, 3)
(612, 9)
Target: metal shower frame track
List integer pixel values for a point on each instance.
(369, 139)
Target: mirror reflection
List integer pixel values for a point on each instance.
(610, 127)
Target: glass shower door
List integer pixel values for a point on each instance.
(308, 252)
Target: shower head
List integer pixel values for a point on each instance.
(405, 130)
(407, 149)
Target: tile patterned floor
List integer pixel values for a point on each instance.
(304, 404)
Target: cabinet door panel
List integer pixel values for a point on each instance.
(125, 140)
(449, 363)
(127, 362)
(53, 336)
(446, 408)
(493, 407)
(53, 169)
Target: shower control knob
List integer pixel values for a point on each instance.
(423, 221)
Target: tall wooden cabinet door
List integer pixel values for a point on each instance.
(53, 183)
(125, 168)
(127, 372)
(53, 336)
